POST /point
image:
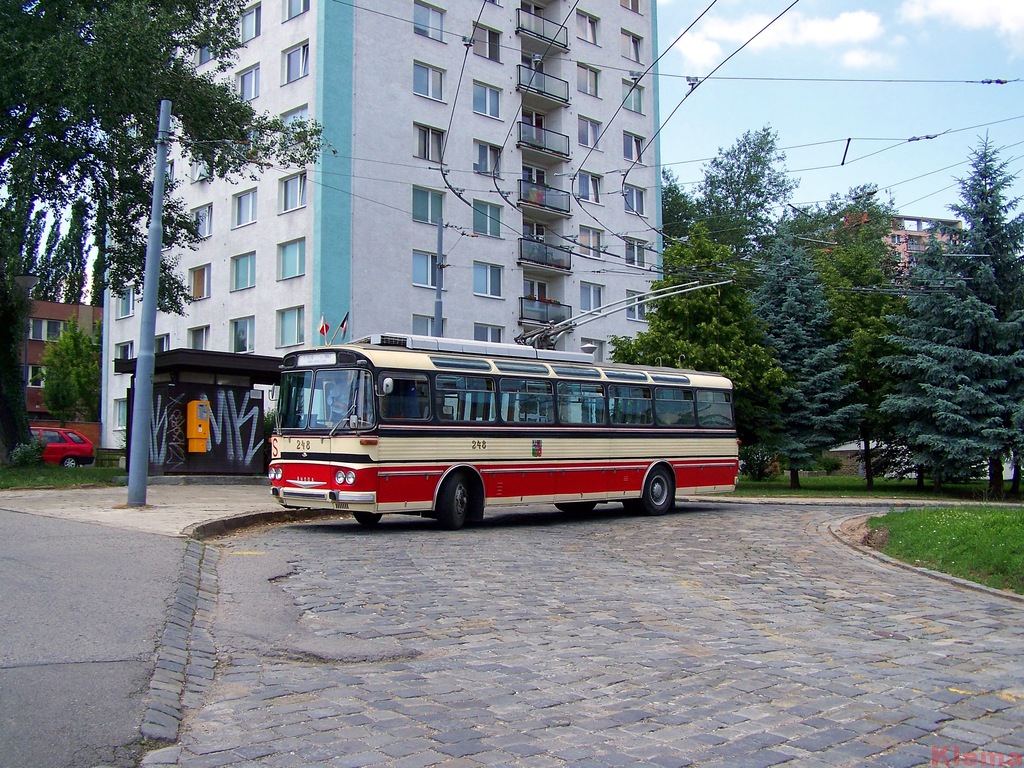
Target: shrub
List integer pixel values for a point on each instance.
(28, 454)
(759, 462)
(830, 464)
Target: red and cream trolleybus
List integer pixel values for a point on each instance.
(443, 427)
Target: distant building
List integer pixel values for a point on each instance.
(47, 320)
(910, 234)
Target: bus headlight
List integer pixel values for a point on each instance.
(275, 473)
(341, 477)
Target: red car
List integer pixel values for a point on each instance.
(64, 446)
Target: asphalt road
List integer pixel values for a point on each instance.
(82, 608)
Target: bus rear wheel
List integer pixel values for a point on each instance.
(457, 502)
(367, 519)
(659, 494)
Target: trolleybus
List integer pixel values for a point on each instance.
(442, 428)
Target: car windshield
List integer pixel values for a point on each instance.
(332, 398)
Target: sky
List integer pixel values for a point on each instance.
(865, 70)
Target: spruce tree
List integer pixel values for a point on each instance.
(816, 412)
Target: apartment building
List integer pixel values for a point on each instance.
(910, 234)
(525, 127)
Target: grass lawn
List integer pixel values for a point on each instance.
(982, 544)
(844, 486)
(49, 476)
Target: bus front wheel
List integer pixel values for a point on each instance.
(366, 518)
(457, 502)
(659, 494)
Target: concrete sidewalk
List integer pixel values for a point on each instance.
(196, 510)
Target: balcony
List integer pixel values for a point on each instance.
(544, 198)
(540, 35)
(542, 311)
(537, 253)
(540, 143)
(545, 90)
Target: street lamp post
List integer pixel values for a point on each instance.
(26, 282)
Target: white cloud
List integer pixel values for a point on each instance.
(1006, 17)
(862, 58)
(703, 46)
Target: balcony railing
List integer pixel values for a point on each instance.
(539, 252)
(542, 310)
(549, 31)
(546, 85)
(544, 196)
(544, 140)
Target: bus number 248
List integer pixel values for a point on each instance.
(479, 445)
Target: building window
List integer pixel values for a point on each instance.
(124, 350)
(249, 83)
(243, 334)
(634, 199)
(295, 8)
(429, 143)
(290, 326)
(121, 413)
(426, 205)
(487, 43)
(251, 23)
(299, 114)
(635, 308)
(423, 325)
(589, 187)
(41, 329)
(631, 5)
(636, 253)
(424, 269)
(162, 343)
(427, 81)
(203, 218)
(586, 27)
(205, 55)
(126, 304)
(632, 97)
(291, 259)
(36, 375)
(632, 147)
(296, 63)
(486, 100)
(489, 333)
(486, 279)
(199, 282)
(243, 271)
(293, 192)
(487, 158)
(427, 21)
(534, 289)
(199, 171)
(245, 208)
(630, 46)
(586, 79)
(589, 132)
(590, 242)
(199, 338)
(590, 296)
(486, 218)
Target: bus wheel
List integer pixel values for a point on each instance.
(367, 518)
(659, 493)
(576, 507)
(453, 502)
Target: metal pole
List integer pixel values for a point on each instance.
(438, 305)
(142, 408)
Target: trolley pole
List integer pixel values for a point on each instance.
(438, 301)
(142, 408)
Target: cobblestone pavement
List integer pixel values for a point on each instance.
(720, 635)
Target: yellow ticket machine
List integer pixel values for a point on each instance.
(198, 425)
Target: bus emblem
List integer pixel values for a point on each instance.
(536, 449)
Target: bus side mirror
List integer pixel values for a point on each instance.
(387, 386)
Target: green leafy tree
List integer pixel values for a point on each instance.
(678, 207)
(71, 375)
(80, 86)
(817, 412)
(710, 329)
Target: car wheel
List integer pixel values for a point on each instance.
(69, 461)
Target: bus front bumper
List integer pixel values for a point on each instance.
(345, 501)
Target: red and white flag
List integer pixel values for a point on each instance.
(324, 327)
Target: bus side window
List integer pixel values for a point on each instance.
(714, 409)
(630, 405)
(523, 400)
(674, 407)
(409, 399)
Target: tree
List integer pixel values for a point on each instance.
(71, 375)
(816, 413)
(713, 330)
(678, 207)
(80, 86)
(742, 187)
(961, 345)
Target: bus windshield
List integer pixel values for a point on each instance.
(332, 398)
